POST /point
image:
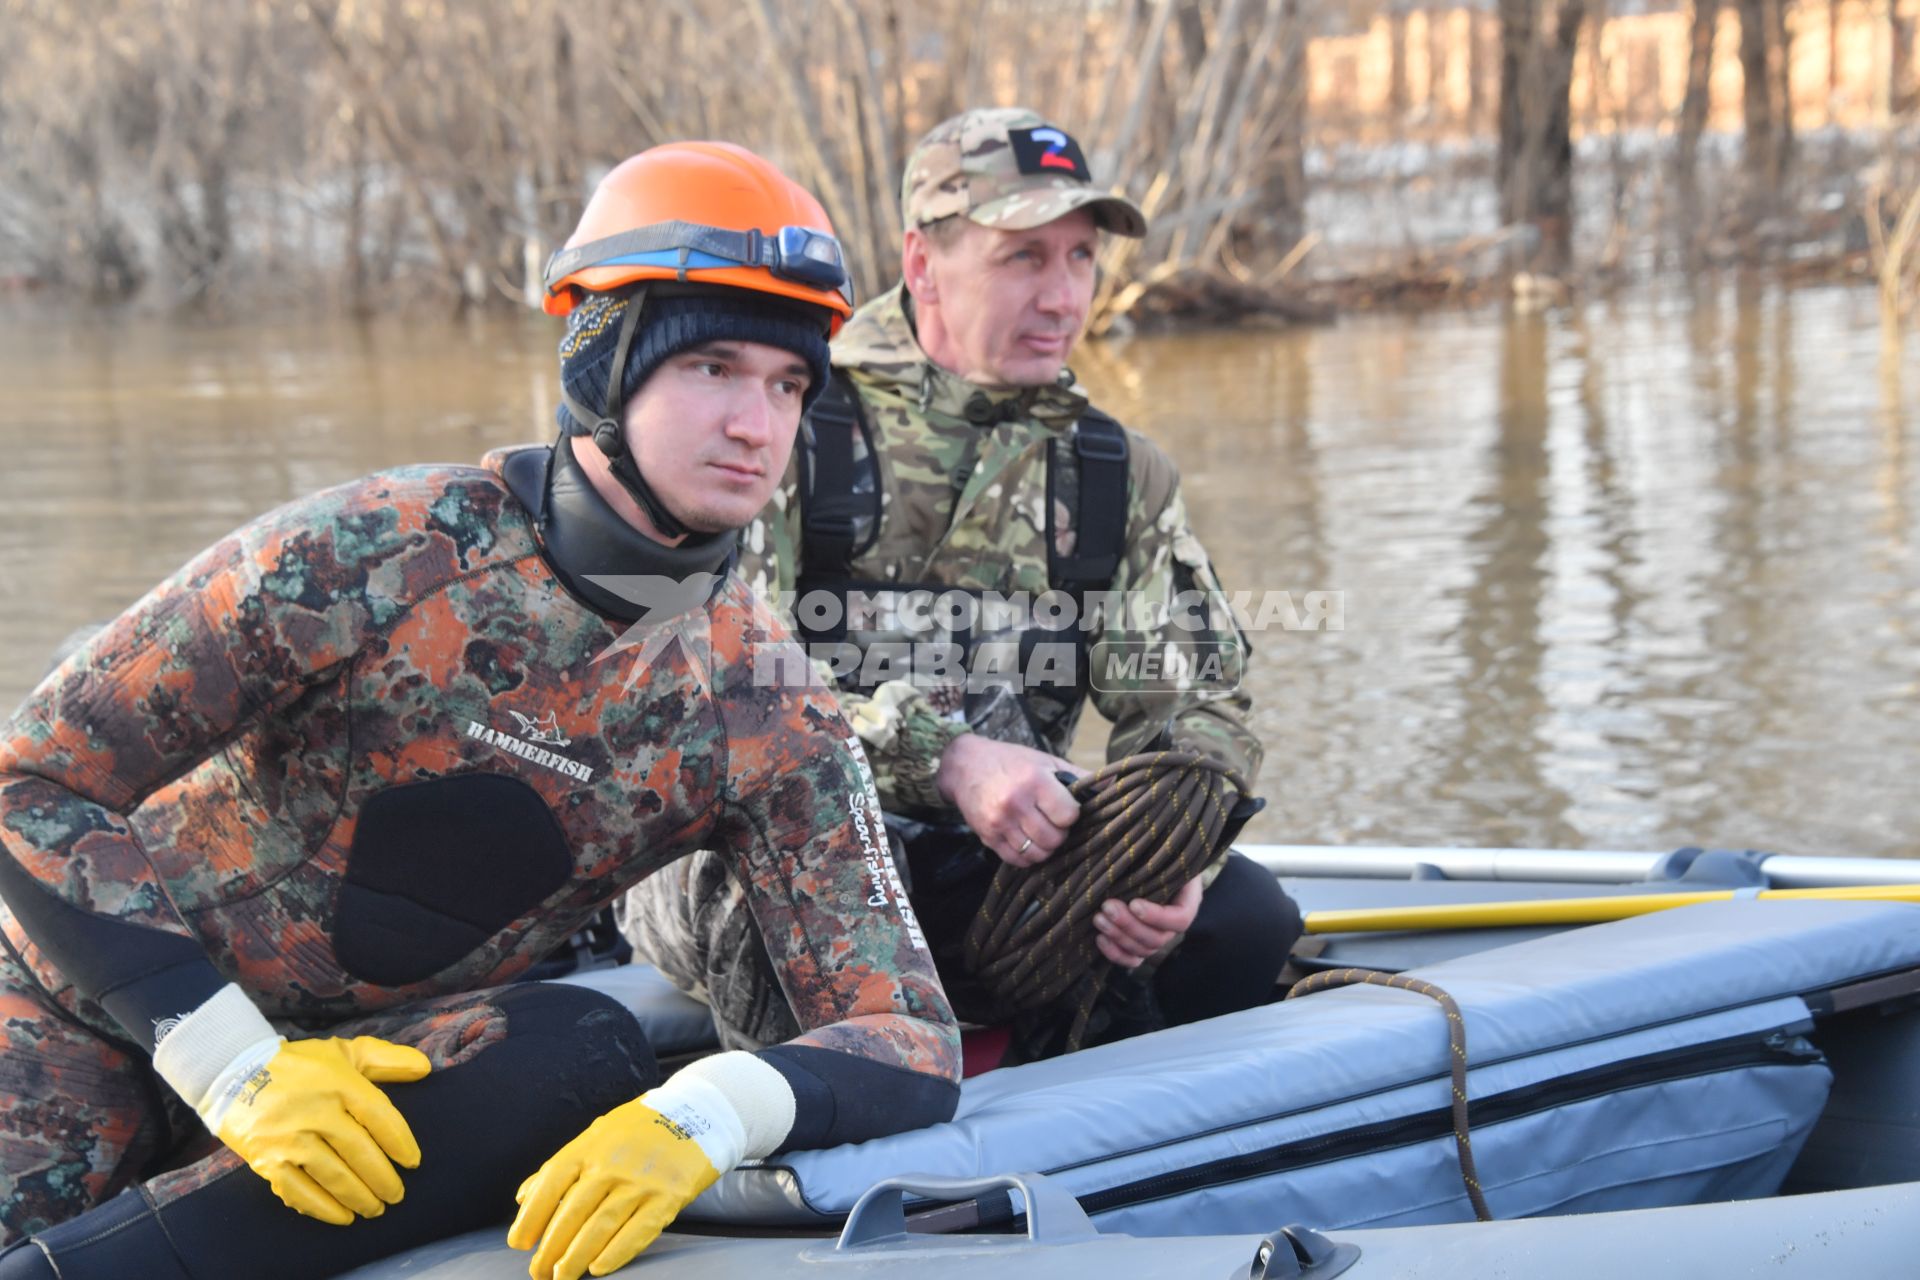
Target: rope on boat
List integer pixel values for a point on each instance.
(1148, 824)
(1456, 1044)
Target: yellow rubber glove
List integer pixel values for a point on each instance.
(312, 1124)
(609, 1193)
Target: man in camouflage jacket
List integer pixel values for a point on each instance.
(366, 760)
(963, 396)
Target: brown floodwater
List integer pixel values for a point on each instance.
(1631, 575)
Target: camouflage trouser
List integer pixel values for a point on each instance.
(85, 1117)
(690, 920)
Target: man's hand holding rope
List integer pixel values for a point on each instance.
(1009, 796)
(1131, 933)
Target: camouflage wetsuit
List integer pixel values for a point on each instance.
(963, 479)
(368, 751)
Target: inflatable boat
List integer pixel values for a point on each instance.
(1727, 1088)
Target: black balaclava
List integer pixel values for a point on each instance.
(653, 327)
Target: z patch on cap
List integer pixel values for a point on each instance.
(1044, 149)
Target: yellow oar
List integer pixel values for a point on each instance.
(1536, 911)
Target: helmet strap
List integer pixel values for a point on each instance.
(607, 432)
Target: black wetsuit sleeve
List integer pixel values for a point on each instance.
(141, 976)
(839, 1097)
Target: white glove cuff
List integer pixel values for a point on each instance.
(196, 1056)
(245, 1072)
(739, 1107)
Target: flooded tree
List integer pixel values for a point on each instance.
(360, 145)
(1767, 144)
(60, 210)
(369, 153)
(1538, 40)
(1693, 107)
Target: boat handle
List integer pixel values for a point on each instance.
(880, 1215)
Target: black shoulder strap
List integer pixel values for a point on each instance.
(828, 503)
(1100, 524)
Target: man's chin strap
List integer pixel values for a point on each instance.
(604, 427)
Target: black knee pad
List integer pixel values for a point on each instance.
(596, 1047)
(1247, 910)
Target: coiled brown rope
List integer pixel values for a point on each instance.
(1147, 825)
(1456, 1045)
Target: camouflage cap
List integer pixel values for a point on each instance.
(1007, 167)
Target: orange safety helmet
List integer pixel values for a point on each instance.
(703, 213)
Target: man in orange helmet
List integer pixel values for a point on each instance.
(275, 842)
